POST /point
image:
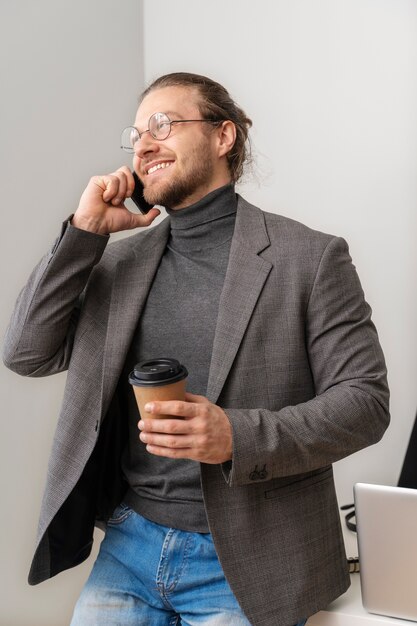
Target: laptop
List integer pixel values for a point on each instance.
(386, 519)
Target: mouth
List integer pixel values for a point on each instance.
(157, 166)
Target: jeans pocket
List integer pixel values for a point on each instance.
(120, 514)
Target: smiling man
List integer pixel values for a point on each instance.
(196, 156)
(224, 513)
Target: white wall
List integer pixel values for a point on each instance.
(331, 86)
(71, 73)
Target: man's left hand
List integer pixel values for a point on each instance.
(202, 433)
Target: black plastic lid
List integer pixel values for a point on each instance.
(157, 372)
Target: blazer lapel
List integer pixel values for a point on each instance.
(131, 283)
(245, 278)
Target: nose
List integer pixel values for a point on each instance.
(146, 144)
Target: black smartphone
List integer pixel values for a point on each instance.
(137, 196)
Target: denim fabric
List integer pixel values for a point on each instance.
(146, 574)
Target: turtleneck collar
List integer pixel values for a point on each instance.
(205, 224)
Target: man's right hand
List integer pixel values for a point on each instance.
(102, 210)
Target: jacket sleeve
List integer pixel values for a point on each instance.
(40, 335)
(350, 409)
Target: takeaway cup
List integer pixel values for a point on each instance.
(158, 379)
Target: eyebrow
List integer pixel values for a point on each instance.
(174, 114)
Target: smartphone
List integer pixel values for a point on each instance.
(137, 196)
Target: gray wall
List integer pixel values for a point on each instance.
(71, 73)
(331, 86)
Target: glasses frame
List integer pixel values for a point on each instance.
(169, 122)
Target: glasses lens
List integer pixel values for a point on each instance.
(129, 138)
(159, 126)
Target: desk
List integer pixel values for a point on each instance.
(348, 610)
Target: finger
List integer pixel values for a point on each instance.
(129, 180)
(122, 187)
(172, 407)
(109, 185)
(146, 220)
(167, 441)
(120, 218)
(137, 220)
(173, 453)
(126, 171)
(170, 426)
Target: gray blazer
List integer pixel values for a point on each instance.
(296, 364)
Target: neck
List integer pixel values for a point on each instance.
(206, 223)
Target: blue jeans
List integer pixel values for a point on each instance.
(147, 574)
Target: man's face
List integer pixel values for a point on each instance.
(183, 168)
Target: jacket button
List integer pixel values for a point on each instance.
(258, 474)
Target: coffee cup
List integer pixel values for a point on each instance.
(158, 379)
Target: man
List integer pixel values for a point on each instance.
(224, 513)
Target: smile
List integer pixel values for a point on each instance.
(158, 166)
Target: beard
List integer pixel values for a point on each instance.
(196, 172)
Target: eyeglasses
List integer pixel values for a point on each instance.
(159, 126)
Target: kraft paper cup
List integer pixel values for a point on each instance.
(158, 379)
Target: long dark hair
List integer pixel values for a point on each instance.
(216, 104)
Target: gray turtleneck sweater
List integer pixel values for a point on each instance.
(179, 321)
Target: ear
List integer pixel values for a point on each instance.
(226, 135)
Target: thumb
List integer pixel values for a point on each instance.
(140, 220)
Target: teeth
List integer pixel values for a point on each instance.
(160, 166)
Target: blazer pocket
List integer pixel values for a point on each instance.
(300, 484)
